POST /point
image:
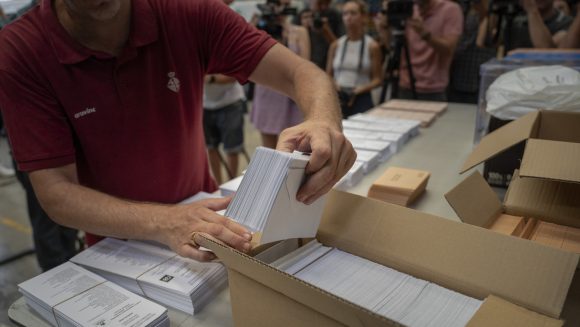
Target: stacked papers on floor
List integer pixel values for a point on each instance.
(397, 296)
(400, 186)
(426, 118)
(266, 199)
(393, 125)
(397, 140)
(155, 272)
(384, 148)
(69, 295)
(437, 108)
(230, 187)
(369, 160)
(351, 178)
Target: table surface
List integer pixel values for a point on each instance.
(440, 149)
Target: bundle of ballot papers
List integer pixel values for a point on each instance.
(384, 148)
(266, 200)
(409, 128)
(69, 295)
(230, 187)
(369, 159)
(397, 296)
(155, 272)
(351, 178)
(397, 140)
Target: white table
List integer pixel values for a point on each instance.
(439, 149)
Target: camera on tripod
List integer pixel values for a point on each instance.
(269, 20)
(505, 7)
(318, 20)
(398, 12)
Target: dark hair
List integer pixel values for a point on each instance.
(362, 6)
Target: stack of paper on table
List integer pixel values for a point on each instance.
(437, 108)
(399, 185)
(69, 295)
(384, 148)
(410, 301)
(266, 199)
(155, 272)
(407, 127)
(397, 140)
(426, 118)
(369, 160)
(351, 178)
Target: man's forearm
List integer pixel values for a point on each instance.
(572, 38)
(442, 45)
(539, 33)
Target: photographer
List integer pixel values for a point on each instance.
(546, 26)
(432, 34)
(324, 27)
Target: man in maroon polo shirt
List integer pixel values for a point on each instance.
(102, 102)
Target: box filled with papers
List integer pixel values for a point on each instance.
(507, 274)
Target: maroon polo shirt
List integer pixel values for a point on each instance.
(132, 123)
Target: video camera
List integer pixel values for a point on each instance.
(398, 12)
(505, 7)
(269, 19)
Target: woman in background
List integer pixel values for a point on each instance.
(272, 112)
(354, 61)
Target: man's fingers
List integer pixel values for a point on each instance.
(225, 235)
(191, 252)
(287, 141)
(213, 218)
(321, 146)
(216, 204)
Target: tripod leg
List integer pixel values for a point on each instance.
(410, 69)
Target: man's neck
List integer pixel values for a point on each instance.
(105, 36)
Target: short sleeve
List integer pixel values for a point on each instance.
(231, 45)
(38, 129)
(453, 23)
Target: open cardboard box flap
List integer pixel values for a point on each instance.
(468, 259)
(551, 137)
(474, 201)
(548, 200)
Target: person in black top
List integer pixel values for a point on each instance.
(325, 27)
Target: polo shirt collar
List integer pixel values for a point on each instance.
(144, 31)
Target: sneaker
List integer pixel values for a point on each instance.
(6, 171)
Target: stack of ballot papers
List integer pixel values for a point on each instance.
(69, 295)
(155, 272)
(407, 127)
(426, 118)
(384, 148)
(397, 140)
(369, 159)
(351, 178)
(434, 107)
(400, 186)
(397, 296)
(266, 200)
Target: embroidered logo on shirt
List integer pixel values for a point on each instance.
(173, 83)
(85, 112)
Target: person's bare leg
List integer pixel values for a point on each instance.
(269, 140)
(215, 164)
(233, 161)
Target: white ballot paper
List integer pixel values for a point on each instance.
(368, 159)
(352, 177)
(266, 200)
(155, 272)
(397, 140)
(397, 296)
(398, 125)
(384, 148)
(69, 295)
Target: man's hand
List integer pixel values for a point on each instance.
(332, 155)
(184, 220)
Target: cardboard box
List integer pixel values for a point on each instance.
(426, 118)
(523, 283)
(547, 186)
(509, 225)
(400, 186)
(435, 107)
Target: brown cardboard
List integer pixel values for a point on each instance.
(549, 234)
(474, 201)
(551, 160)
(497, 312)
(417, 106)
(470, 260)
(552, 148)
(508, 225)
(548, 200)
(399, 185)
